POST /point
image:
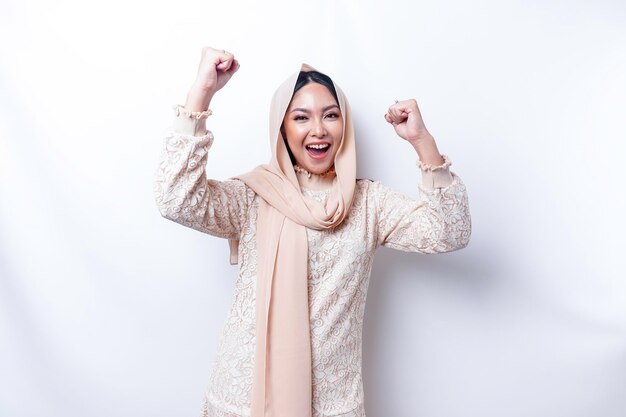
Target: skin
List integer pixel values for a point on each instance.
(313, 116)
(217, 67)
(406, 119)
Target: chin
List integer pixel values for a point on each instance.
(316, 169)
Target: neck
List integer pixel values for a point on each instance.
(315, 181)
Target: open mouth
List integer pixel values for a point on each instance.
(318, 150)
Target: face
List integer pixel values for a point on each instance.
(313, 125)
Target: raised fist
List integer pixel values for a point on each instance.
(406, 119)
(216, 68)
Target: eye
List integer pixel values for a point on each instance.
(298, 117)
(333, 114)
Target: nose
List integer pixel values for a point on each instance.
(318, 129)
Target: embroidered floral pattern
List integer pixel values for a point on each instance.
(340, 262)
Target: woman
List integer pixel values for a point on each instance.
(303, 230)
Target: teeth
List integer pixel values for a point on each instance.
(322, 146)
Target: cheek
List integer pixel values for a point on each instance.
(338, 132)
(295, 133)
(293, 146)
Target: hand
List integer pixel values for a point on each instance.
(214, 71)
(406, 119)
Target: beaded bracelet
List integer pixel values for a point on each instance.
(181, 110)
(429, 167)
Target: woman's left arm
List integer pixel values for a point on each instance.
(440, 221)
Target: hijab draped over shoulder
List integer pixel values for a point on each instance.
(282, 381)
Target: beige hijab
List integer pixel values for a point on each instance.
(282, 384)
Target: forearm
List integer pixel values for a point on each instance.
(426, 149)
(179, 180)
(198, 99)
(438, 222)
(447, 212)
(435, 171)
(185, 195)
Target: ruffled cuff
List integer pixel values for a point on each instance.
(190, 123)
(438, 176)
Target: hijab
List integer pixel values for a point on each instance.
(282, 380)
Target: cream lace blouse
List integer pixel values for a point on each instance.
(340, 262)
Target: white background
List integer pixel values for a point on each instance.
(107, 309)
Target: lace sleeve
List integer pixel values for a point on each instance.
(438, 222)
(184, 195)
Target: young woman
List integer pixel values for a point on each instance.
(303, 231)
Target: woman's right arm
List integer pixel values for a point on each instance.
(185, 195)
(182, 192)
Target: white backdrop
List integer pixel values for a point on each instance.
(107, 309)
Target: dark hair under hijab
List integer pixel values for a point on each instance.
(307, 77)
(304, 78)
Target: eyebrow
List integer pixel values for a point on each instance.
(323, 110)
